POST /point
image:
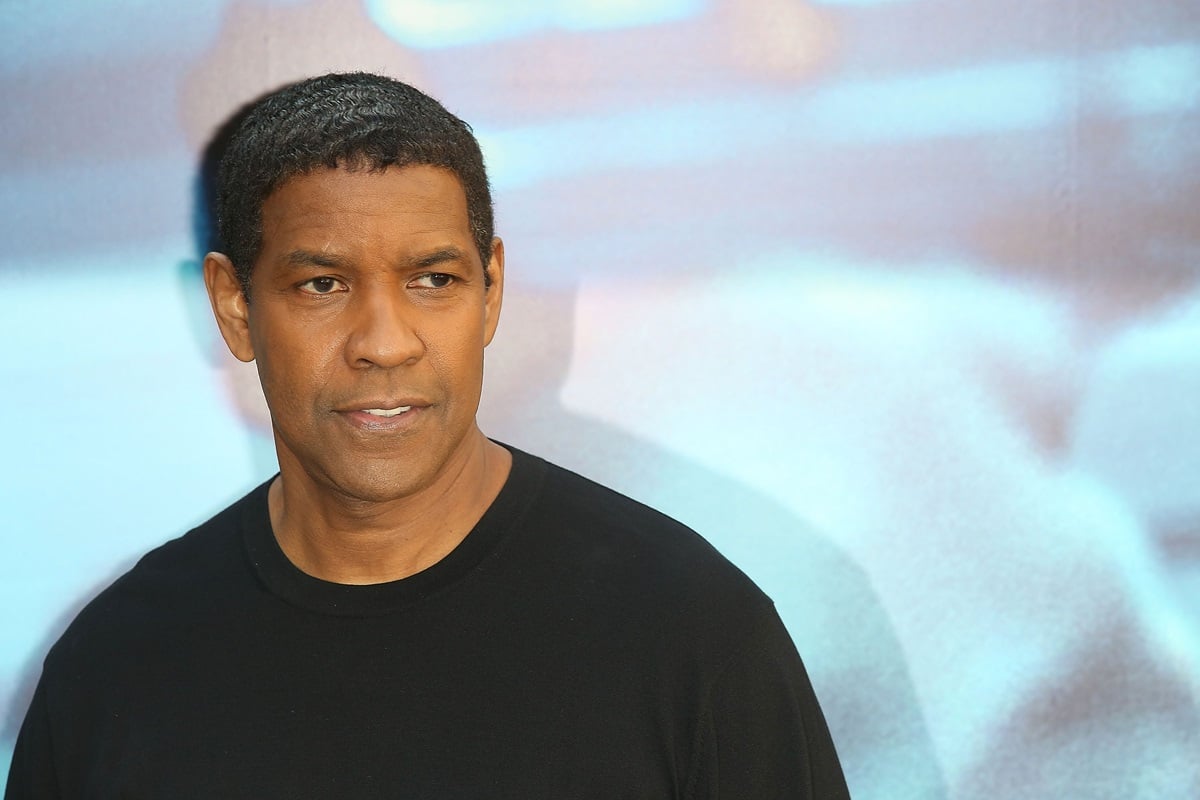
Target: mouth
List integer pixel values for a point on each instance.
(383, 414)
(386, 412)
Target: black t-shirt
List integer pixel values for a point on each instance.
(575, 644)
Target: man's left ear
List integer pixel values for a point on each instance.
(495, 292)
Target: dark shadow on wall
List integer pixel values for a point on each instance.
(840, 627)
(841, 630)
(240, 379)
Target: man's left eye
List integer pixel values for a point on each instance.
(434, 280)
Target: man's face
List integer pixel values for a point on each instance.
(368, 317)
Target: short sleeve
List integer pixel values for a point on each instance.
(763, 734)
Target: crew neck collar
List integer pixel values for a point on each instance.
(284, 579)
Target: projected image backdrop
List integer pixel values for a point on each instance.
(896, 302)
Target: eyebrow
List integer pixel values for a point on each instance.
(439, 256)
(308, 258)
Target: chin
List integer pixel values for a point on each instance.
(378, 485)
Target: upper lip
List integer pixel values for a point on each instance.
(363, 405)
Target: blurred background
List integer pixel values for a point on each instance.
(896, 301)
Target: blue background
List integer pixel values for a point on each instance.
(896, 302)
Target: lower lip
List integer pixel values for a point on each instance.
(370, 422)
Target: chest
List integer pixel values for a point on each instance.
(445, 708)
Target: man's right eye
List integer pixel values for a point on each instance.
(322, 285)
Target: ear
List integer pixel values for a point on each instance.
(229, 305)
(495, 292)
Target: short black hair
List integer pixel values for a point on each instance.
(352, 120)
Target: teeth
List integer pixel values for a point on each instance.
(386, 412)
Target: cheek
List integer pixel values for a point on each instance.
(295, 375)
(460, 364)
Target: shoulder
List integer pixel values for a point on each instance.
(599, 536)
(177, 579)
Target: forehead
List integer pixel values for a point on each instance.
(341, 205)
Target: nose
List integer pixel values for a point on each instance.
(382, 329)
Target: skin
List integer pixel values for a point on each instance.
(369, 293)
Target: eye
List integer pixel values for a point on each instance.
(322, 285)
(433, 280)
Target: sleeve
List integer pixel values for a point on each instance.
(763, 734)
(32, 772)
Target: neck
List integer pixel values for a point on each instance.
(343, 539)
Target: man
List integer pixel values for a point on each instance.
(407, 609)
